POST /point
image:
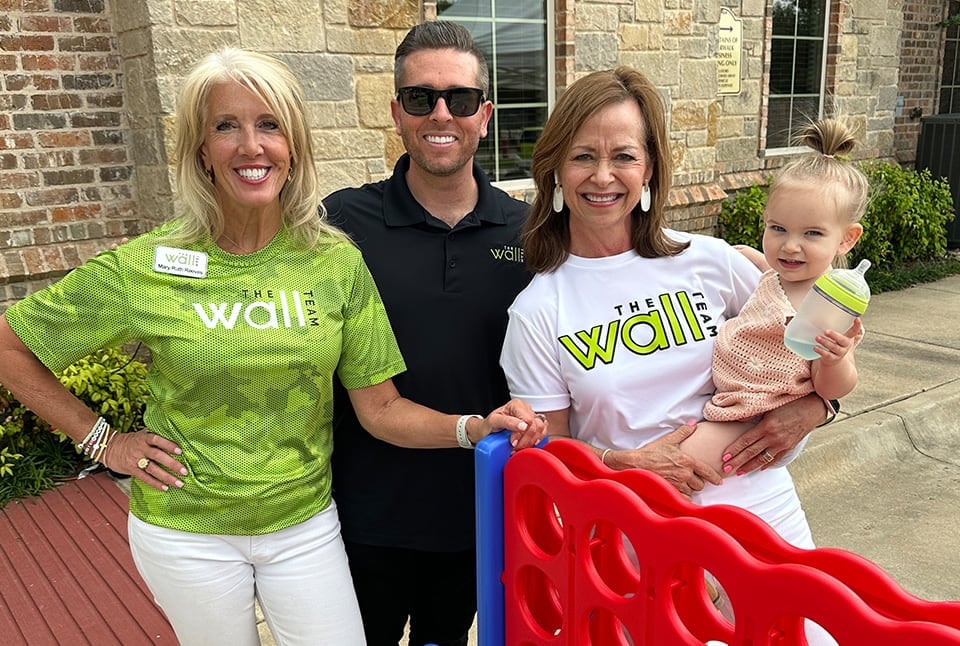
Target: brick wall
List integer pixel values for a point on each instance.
(65, 171)
(921, 47)
(88, 90)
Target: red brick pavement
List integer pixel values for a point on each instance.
(66, 574)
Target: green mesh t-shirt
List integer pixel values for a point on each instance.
(244, 352)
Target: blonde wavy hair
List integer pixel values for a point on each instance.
(304, 217)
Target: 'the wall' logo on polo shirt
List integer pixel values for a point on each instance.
(509, 253)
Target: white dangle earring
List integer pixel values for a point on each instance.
(645, 198)
(557, 194)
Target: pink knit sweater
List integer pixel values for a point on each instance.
(753, 371)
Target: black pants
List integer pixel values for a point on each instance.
(436, 591)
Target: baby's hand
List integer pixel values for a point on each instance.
(833, 346)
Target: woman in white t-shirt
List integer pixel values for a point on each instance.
(613, 338)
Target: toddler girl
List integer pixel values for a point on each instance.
(811, 220)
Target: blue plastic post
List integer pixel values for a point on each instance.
(491, 455)
(490, 459)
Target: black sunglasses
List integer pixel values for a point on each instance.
(420, 101)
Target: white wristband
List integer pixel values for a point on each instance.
(603, 456)
(462, 438)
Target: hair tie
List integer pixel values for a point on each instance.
(828, 156)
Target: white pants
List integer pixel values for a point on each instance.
(771, 495)
(206, 583)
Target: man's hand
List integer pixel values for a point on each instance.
(123, 240)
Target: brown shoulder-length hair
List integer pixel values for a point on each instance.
(546, 234)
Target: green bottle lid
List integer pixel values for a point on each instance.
(846, 287)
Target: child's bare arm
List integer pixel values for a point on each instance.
(753, 255)
(834, 374)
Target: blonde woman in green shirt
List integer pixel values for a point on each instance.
(249, 304)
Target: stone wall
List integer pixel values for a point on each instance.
(89, 86)
(65, 168)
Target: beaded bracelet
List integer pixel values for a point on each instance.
(94, 446)
(99, 428)
(97, 454)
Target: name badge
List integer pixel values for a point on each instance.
(180, 262)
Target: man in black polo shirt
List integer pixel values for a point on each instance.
(443, 246)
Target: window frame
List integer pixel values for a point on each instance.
(950, 35)
(493, 129)
(828, 17)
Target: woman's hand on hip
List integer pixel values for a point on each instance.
(146, 456)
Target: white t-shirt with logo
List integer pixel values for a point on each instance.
(625, 342)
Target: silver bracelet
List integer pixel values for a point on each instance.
(462, 438)
(603, 456)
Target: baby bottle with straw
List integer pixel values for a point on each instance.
(839, 296)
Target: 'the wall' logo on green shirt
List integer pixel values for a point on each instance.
(284, 311)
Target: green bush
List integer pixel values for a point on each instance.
(905, 220)
(32, 458)
(950, 21)
(907, 217)
(741, 218)
(891, 279)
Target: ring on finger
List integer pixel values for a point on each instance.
(143, 463)
(541, 417)
(766, 456)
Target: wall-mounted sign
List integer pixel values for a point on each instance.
(729, 52)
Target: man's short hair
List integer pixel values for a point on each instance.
(439, 34)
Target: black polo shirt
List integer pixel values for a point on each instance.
(446, 292)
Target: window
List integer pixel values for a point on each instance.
(797, 68)
(513, 36)
(950, 81)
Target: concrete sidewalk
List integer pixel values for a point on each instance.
(884, 479)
